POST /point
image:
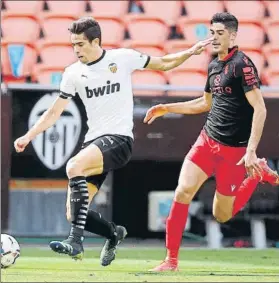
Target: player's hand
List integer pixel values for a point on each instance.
(199, 47)
(21, 143)
(155, 112)
(251, 164)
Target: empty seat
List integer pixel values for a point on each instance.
(148, 77)
(113, 30)
(273, 79)
(257, 57)
(49, 76)
(55, 29)
(244, 10)
(21, 28)
(66, 8)
(250, 35)
(273, 33)
(24, 7)
(169, 11)
(186, 78)
(109, 8)
(194, 30)
(148, 30)
(57, 56)
(273, 9)
(203, 10)
(195, 62)
(18, 59)
(273, 60)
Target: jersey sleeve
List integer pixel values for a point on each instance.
(67, 85)
(136, 60)
(247, 72)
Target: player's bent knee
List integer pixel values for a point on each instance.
(221, 216)
(73, 168)
(184, 193)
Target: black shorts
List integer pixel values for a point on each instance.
(116, 150)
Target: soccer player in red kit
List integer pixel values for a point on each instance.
(227, 144)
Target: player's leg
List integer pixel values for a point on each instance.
(197, 167)
(233, 189)
(88, 159)
(99, 156)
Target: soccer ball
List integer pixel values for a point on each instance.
(10, 250)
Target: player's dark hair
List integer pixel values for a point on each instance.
(88, 26)
(228, 20)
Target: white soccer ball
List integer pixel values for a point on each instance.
(10, 250)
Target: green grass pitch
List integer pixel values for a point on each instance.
(132, 264)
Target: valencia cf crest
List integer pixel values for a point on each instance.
(54, 146)
(113, 67)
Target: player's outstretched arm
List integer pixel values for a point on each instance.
(170, 61)
(46, 121)
(195, 106)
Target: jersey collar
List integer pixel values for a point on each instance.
(232, 51)
(98, 60)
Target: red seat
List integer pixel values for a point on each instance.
(195, 62)
(23, 7)
(273, 9)
(273, 59)
(273, 79)
(246, 10)
(72, 8)
(147, 30)
(169, 11)
(186, 78)
(16, 27)
(203, 10)
(148, 77)
(109, 8)
(273, 33)
(52, 33)
(48, 76)
(250, 35)
(113, 30)
(194, 30)
(57, 56)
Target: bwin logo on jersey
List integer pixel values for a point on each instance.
(56, 144)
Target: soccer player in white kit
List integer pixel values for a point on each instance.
(102, 79)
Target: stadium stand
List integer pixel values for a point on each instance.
(178, 25)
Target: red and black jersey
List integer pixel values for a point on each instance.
(230, 118)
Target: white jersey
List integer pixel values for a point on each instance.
(105, 88)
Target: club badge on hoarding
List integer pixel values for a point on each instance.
(56, 144)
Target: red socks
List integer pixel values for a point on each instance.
(244, 193)
(174, 228)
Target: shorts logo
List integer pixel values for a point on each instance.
(113, 67)
(233, 187)
(217, 80)
(103, 143)
(54, 146)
